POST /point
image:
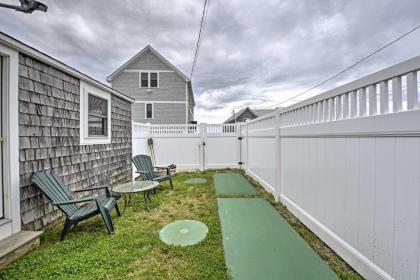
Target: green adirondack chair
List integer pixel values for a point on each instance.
(145, 168)
(59, 195)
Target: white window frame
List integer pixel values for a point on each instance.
(85, 139)
(148, 79)
(145, 111)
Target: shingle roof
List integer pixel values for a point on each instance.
(45, 58)
(138, 55)
(260, 112)
(256, 112)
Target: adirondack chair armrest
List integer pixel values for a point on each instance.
(162, 167)
(91, 189)
(108, 193)
(75, 201)
(167, 168)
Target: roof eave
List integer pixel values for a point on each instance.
(138, 55)
(34, 53)
(191, 91)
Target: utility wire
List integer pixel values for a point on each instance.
(347, 68)
(200, 35)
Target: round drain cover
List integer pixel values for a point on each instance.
(195, 181)
(183, 233)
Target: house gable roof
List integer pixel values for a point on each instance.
(260, 112)
(139, 55)
(256, 112)
(239, 114)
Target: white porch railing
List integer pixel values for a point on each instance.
(346, 163)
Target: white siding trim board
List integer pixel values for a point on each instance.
(12, 219)
(145, 70)
(161, 102)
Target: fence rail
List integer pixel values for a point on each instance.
(174, 129)
(391, 90)
(346, 163)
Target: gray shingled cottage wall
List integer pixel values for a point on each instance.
(49, 139)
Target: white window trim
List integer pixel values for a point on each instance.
(145, 70)
(12, 222)
(148, 79)
(145, 111)
(85, 139)
(160, 102)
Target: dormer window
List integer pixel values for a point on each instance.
(149, 79)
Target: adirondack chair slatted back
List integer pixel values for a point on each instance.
(55, 190)
(144, 163)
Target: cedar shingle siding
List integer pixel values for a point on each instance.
(49, 138)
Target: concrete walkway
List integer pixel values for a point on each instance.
(260, 244)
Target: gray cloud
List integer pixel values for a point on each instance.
(254, 53)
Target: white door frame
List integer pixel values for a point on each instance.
(1, 148)
(11, 223)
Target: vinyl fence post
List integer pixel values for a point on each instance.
(203, 143)
(133, 150)
(277, 155)
(238, 129)
(246, 161)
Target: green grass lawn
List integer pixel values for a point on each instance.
(135, 251)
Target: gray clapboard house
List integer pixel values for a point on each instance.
(162, 93)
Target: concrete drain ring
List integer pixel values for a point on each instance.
(183, 233)
(192, 181)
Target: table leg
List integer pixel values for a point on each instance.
(146, 198)
(125, 201)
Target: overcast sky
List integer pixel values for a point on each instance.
(254, 53)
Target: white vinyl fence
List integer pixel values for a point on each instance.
(189, 146)
(346, 163)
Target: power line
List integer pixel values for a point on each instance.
(347, 68)
(200, 35)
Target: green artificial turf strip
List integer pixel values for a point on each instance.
(232, 184)
(135, 251)
(260, 244)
